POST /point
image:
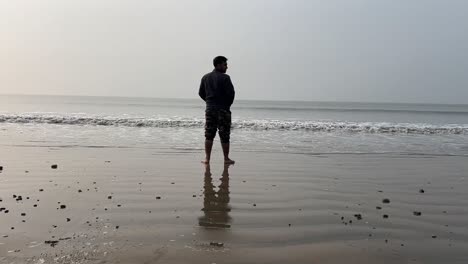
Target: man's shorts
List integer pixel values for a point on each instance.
(218, 119)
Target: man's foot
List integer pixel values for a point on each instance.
(229, 161)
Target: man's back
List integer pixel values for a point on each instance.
(216, 90)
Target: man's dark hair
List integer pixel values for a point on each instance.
(219, 60)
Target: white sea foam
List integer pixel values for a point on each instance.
(312, 126)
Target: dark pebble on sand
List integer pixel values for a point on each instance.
(378, 207)
(14, 196)
(105, 209)
(7, 211)
(24, 221)
(172, 182)
(434, 236)
(194, 196)
(254, 204)
(117, 227)
(216, 244)
(358, 216)
(52, 243)
(416, 213)
(119, 205)
(80, 191)
(41, 190)
(158, 197)
(385, 216)
(55, 166)
(109, 197)
(1, 168)
(386, 201)
(421, 191)
(35, 205)
(12, 228)
(68, 219)
(23, 214)
(63, 206)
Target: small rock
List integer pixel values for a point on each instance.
(385, 216)
(68, 219)
(117, 227)
(158, 197)
(35, 205)
(358, 216)
(378, 207)
(41, 190)
(194, 196)
(63, 206)
(416, 213)
(421, 191)
(80, 191)
(216, 244)
(1, 168)
(109, 197)
(434, 236)
(254, 204)
(7, 211)
(52, 243)
(23, 214)
(54, 166)
(386, 201)
(119, 205)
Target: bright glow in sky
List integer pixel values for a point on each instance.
(332, 50)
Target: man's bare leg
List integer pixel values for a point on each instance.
(208, 147)
(227, 160)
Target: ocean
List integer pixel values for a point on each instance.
(312, 128)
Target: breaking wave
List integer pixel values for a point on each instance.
(313, 126)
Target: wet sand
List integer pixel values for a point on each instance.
(133, 205)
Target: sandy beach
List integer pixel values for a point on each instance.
(134, 205)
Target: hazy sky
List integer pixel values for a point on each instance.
(348, 50)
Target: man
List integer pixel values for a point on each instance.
(217, 91)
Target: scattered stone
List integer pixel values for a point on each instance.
(1, 168)
(434, 236)
(35, 205)
(358, 216)
(80, 191)
(54, 226)
(12, 228)
(41, 190)
(172, 182)
(24, 221)
(52, 243)
(289, 224)
(105, 209)
(158, 197)
(68, 219)
(254, 204)
(23, 214)
(385, 216)
(107, 161)
(119, 205)
(63, 206)
(14, 196)
(117, 227)
(194, 196)
(7, 211)
(54, 166)
(216, 244)
(386, 240)
(109, 197)
(26, 171)
(386, 201)
(378, 208)
(416, 213)
(421, 191)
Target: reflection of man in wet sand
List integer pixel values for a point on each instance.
(216, 204)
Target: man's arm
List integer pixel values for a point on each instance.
(230, 90)
(201, 91)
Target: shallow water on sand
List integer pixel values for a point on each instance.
(268, 208)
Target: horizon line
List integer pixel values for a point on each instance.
(262, 100)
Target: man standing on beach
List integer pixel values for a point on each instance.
(217, 91)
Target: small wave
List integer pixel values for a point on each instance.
(312, 126)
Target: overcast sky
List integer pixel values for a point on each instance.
(328, 50)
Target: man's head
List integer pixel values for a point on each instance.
(220, 64)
